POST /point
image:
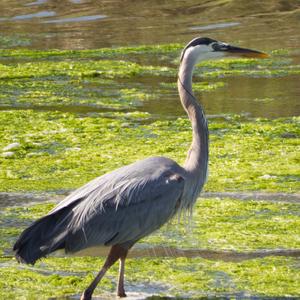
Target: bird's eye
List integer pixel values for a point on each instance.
(219, 46)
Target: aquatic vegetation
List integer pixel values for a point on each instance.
(93, 53)
(96, 78)
(48, 83)
(234, 225)
(102, 68)
(55, 277)
(197, 87)
(69, 116)
(63, 150)
(14, 41)
(218, 224)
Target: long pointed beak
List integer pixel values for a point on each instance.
(244, 52)
(237, 51)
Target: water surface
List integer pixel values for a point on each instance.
(46, 24)
(83, 24)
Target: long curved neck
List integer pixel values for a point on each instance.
(197, 157)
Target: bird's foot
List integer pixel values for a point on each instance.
(121, 294)
(86, 295)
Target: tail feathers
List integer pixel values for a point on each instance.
(43, 237)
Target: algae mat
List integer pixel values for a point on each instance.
(69, 116)
(54, 151)
(218, 224)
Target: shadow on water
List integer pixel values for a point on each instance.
(166, 251)
(172, 252)
(130, 296)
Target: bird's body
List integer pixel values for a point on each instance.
(121, 207)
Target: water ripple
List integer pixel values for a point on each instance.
(40, 14)
(76, 19)
(215, 26)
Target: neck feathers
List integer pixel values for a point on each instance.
(197, 157)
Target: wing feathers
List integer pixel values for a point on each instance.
(131, 210)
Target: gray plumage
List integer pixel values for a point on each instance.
(123, 206)
(119, 208)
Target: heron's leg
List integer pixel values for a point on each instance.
(87, 294)
(115, 253)
(121, 290)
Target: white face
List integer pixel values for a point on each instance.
(203, 52)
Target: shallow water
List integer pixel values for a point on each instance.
(46, 24)
(83, 24)
(96, 24)
(166, 251)
(27, 199)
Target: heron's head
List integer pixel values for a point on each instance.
(203, 48)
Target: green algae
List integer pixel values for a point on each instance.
(62, 143)
(74, 83)
(96, 77)
(63, 150)
(25, 283)
(272, 67)
(102, 68)
(234, 225)
(197, 87)
(92, 53)
(54, 277)
(217, 224)
(157, 50)
(14, 41)
(215, 220)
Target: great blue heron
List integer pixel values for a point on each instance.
(121, 207)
